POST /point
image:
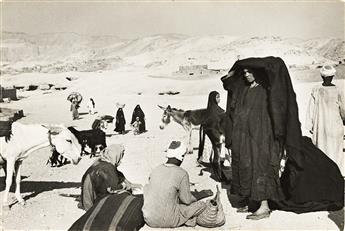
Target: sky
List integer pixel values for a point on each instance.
(132, 19)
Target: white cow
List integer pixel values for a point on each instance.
(27, 138)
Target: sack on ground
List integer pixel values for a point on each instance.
(213, 215)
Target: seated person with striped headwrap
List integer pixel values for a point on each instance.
(103, 178)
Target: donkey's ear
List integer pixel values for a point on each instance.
(161, 107)
(169, 108)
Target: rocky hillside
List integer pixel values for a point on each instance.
(61, 52)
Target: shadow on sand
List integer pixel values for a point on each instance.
(37, 187)
(117, 134)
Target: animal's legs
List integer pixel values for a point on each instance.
(4, 167)
(201, 143)
(9, 176)
(190, 147)
(93, 152)
(222, 153)
(216, 161)
(216, 140)
(18, 167)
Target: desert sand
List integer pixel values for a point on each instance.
(51, 193)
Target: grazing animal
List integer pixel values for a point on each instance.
(28, 138)
(107, 118)
(100, 124)
(94, 139)
(192, 118)
(56, 159)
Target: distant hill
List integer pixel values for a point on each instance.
(60, 52)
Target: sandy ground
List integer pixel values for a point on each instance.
(51, 193)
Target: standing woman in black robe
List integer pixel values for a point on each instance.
(138, 112)
(212, 126)
(255, 150)
(214, 112)
(263, 116)
(120, 122)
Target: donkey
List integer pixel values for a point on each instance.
(192, 118)
(26, 139)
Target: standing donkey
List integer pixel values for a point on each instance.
(191, 118)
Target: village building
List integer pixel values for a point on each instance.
(197, 70)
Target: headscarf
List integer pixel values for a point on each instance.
(120, 115)
(119, 111)
(213, 110)
(138, 112)
(113, 154)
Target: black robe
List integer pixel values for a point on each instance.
(120, 121)
(311, 181)
(138, 112)
(318, 186)
(255, 151)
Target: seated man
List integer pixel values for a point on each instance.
(136, 126)
(103, 178)
(168, 202)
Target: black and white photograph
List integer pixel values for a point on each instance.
(172, 115)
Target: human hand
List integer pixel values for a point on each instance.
(111, 191)
(202, 194)
(126, 187)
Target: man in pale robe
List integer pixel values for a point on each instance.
(168, 202)
(325, 115)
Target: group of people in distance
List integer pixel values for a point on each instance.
(137, 122)
(262, 128)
